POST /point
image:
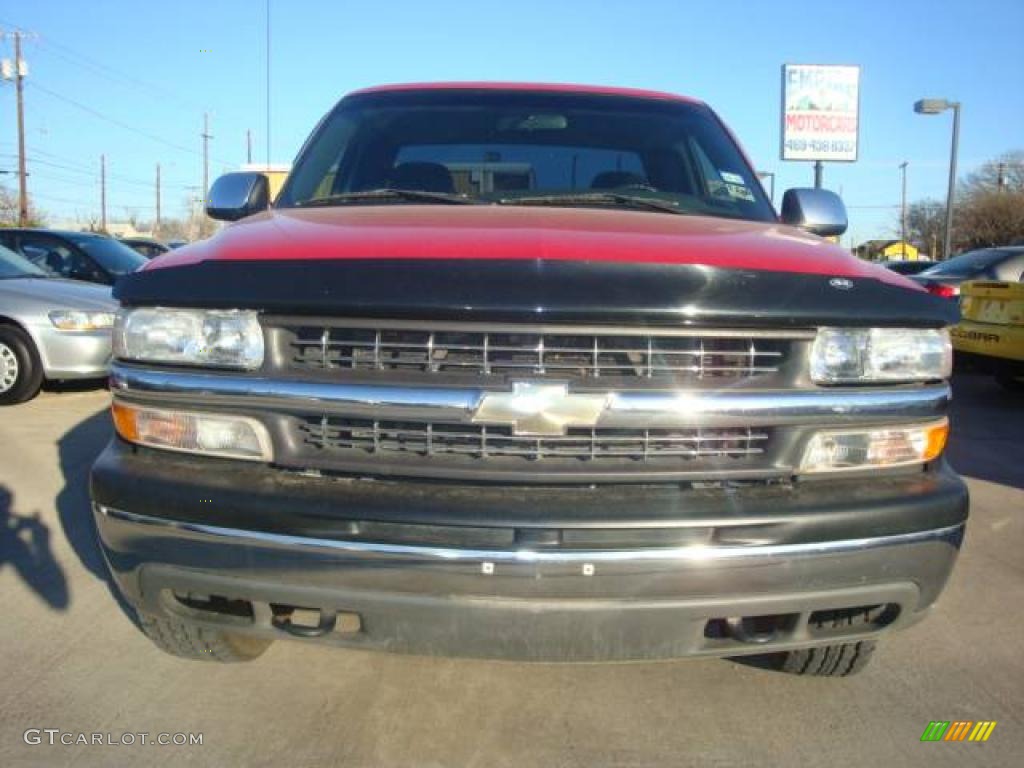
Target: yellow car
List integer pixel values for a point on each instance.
(992, 329)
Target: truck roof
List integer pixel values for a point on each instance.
(545, 87)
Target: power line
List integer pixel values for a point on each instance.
(125, 126)
(69, 164)
(90, 172)
(64, 179)
(112, 75)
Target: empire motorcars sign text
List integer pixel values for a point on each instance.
(820, 105)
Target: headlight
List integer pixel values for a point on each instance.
(859, 355)
(212, 434)
(220, 338)
(78, 320)
(849, 449)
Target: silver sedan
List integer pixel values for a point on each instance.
(50, 328)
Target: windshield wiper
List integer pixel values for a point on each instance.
(387, 193)
(597, 198)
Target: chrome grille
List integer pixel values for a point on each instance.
(568, 354)
(368, 436)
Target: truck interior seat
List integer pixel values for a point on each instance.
(613, 179)
(427, 177)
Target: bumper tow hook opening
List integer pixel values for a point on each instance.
(747, 629)
(328, 620)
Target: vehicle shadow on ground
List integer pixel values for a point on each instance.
(25, 545)
(77, 450)
(987, 430)
(74, 385)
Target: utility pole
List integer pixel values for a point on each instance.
(903, 210)
(19, 77)
(156, 226)
(103, 193)
(819, 169)
(1001, 177)
(193, 223)
(248, 146)
(206, 156)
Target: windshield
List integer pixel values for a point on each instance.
(116, 258)
(13, 265)
(526, 148)
(967, 265)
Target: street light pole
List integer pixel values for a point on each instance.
(952, 180)
(935, 107)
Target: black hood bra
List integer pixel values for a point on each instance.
(538, 291)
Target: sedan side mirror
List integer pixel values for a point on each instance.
(817, 211)
(236, 195)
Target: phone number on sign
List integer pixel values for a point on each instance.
(835, 146)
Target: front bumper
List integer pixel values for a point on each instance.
(1002, 343)
(739, 572)
(73, 354)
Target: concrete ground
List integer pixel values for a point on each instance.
(70, 660)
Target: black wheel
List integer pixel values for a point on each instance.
(21, 372)
(191, 641)
(1013, 383)
(827, 661)
(836, 660)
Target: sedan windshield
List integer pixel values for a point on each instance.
(115, 257)
(526, 148)
(12, 265)
(968, 265)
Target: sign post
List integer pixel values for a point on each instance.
(820, 114)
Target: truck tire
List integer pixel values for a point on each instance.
(192, 641)
(21, 372)
(827, 661)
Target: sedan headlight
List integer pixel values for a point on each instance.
(216, 337)
(80, 320)
(863, 355)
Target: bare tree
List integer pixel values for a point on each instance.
(136, 222)
(989, 209)
(990, 217)
(9, 210)
(93, 223)
(171, 229)
(1005, 173)
(926, 223)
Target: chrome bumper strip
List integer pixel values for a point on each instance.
(690, 554)
(682, 408)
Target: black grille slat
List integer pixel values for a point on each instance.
(571, 355)
(430, 439)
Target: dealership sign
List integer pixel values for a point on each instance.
(820, 106)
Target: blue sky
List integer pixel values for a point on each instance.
(152, 68)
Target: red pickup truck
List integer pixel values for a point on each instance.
(530, 372)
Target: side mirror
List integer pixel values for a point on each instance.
(817, 211)
(236, 195)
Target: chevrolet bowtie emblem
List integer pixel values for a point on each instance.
(540, 409)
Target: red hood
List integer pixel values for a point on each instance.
(507, 232)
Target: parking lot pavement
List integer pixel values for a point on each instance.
(72, 661)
